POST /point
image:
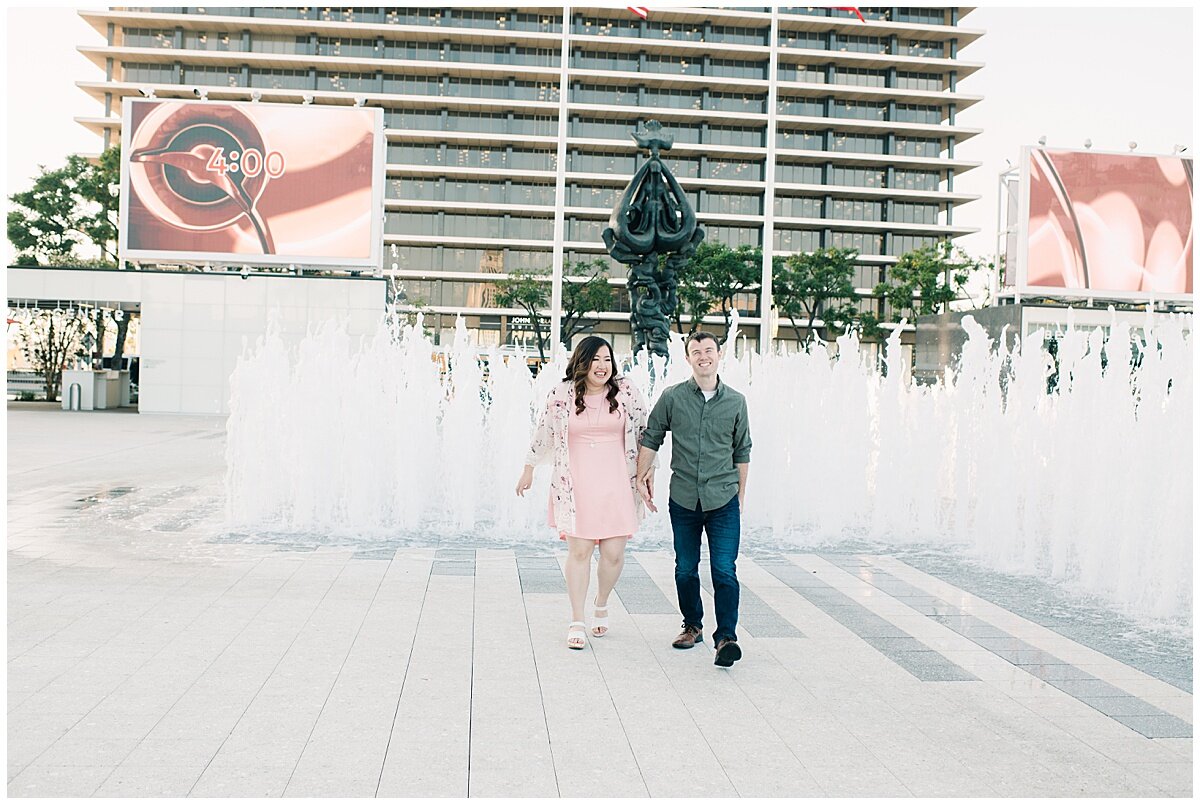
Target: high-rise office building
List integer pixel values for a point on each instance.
(508, 131)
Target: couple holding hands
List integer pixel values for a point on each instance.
(601, 441)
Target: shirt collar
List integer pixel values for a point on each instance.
(691, 381)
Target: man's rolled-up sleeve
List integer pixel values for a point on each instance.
(657, 425)
(741, 436)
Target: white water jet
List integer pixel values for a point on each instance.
(1088, 483)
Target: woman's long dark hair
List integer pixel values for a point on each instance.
(581, 363)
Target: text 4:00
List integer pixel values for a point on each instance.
(251, 163)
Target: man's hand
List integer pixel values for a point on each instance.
(645, 476)
(646, 485)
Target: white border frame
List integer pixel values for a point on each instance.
(1024, 289)
(374, 261)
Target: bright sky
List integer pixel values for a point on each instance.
(1109, 74)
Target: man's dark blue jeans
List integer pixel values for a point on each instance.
(724, 529)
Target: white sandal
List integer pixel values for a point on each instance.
(576, 637)
(600, 621)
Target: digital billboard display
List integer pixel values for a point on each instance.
(205, 181)
(1106, 224)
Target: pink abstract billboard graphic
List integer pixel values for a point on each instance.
(251, 182)
(1109, 223)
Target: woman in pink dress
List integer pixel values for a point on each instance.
(589, 429)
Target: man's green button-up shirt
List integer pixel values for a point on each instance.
(709, 437)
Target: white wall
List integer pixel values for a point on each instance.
(195, 325)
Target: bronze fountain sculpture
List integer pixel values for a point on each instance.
(652, 230)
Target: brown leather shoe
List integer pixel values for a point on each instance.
(690, 636)
(728, 652)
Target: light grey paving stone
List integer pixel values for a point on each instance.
(888, 645)
(1163, 726)
(1057, 672)
(510, 745)
(150, 781)
(639, 594)
(1174, 778)
(1003, 643)
(1030, 657)
(43, 780)
(1080, 688)
(540, 574)
(591, 750)
(345, 752)
(429, 749)
(656, 720)
(223, 778)
(732, 723)
(176, 752)
(1116, 706)
(755, 615)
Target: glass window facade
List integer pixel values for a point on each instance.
(801, 140)
(736, 169)
(802, 173)
(860, 110)
(863, 44)
(858, 143)
(733, 236)
(803, 107)
(916, 180)
(931, 82)
(806, 73)
(212, 75)
(857, 177)
(902, 244)
(138, 73)
(860, 77)
(918, 146)
(799, 206)
(924, 48)
(919, 113)
(856, 209)
(215, 40)
(864, 242)
(281, 79)
(807, 40)
(914, 213)
(730, 203)
(797, 240)
(149, 38)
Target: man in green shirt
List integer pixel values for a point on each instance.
(710, 458)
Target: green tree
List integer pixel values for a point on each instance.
(50, 340)
(714, 276)
(579, 299)
(530, 291)
(99, 186)
(67, 207)
(43, 222)
(815, 285)
(922, 282)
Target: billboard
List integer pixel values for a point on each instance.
(217, 182)
(1109, 225)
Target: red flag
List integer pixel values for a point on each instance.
(857, 13)
(641, 11)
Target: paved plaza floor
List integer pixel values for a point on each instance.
(149, 656)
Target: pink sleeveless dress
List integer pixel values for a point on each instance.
(604, 504)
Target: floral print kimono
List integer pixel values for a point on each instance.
(549, 443)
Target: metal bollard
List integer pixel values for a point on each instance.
(74, 397)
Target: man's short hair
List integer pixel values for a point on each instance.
(700, 335)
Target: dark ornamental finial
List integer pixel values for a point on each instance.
(652, 218)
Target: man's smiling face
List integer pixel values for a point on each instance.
(703, 355)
